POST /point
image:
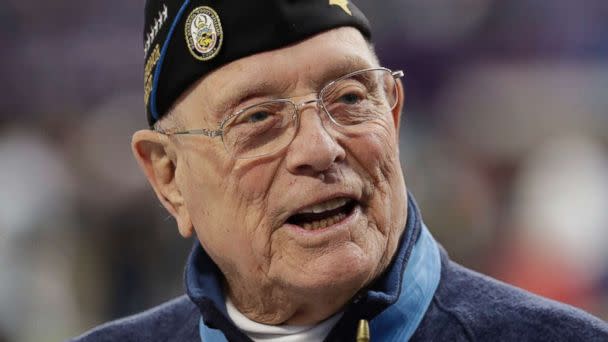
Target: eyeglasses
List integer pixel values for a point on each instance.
(267, 127)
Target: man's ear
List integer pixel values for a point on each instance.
(399, 106)
(157, 159)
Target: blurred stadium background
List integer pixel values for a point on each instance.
(504, 144)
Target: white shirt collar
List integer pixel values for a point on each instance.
(259, 332)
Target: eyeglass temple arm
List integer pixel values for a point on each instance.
(398, 74)
(203, 131)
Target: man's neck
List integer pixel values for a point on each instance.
(281, 306)
(263, 332)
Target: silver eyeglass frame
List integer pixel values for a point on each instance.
(219, 132)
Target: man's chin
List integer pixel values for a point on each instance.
(346, 268)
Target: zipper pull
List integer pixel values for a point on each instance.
(363, 331)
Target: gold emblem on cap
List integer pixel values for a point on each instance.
(204, 33)
(343, 4)
(148, 73)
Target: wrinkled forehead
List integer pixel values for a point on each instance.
(296, 70)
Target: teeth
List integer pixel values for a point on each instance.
(327, 205)
(324, 223)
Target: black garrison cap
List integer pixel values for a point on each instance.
(186, 39)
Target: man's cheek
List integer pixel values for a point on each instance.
(384, 142)
(375, 151)
(254, 182)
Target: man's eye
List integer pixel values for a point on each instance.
(347, 93)
(350, 98)
(258, 116)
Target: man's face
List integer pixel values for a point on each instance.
(243, 209)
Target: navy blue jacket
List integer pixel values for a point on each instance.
(466, 306)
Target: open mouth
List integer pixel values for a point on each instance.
(324, 214)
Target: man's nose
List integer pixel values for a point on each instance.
(313, 149)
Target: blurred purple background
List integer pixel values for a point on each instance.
(504, 144)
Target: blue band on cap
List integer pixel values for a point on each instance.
(162, 58)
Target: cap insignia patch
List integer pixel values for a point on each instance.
(343, 4)
(204, 33)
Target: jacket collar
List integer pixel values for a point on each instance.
(203, 282)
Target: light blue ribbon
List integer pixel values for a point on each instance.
(420, 280)
(210, 335)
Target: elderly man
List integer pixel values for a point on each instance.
(275, 142)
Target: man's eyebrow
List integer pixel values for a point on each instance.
(261, 88)
(347, 65)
